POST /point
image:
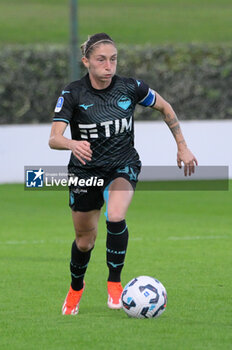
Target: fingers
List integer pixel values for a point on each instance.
(179, 163)
(189, 161)
(82, 151)
(195, 160)
(80, 159)
(189, 168)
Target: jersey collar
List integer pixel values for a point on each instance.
(88, 82)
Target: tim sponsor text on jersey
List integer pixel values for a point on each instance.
(106, 128)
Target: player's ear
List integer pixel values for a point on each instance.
(85, 62)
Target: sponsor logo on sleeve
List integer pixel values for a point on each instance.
(59, 104)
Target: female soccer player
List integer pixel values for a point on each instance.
(99, 108)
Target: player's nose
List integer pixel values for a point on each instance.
(108, 65)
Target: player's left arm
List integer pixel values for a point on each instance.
(183, 154)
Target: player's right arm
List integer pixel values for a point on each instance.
(80, 149)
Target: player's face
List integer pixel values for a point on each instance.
(102, 63)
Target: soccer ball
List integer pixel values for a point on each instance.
(144, 297)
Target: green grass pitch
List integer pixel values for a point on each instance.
(128, 21)
(182, 238)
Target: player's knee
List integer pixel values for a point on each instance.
(84, 246)
(115, 215)
(85, 240)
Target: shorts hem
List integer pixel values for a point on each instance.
(84, 210)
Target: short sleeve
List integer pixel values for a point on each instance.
(64, 107)
(145, 96)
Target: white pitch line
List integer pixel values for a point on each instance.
(135, 239)
(23, 242)
(34, 242)
(56, 241)
(195, 238)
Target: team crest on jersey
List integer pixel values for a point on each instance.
(124, 102)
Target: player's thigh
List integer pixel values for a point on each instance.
(85, 204)
(120, 195)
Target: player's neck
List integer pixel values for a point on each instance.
(99, 84)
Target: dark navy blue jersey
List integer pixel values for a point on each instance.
(104, 118)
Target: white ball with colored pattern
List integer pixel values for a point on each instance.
(144, 297)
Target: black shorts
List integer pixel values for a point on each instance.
(86, 198)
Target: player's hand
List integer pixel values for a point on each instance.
(185, 155)
(81, 150)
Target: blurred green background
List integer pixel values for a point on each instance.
(181, 48)
(180, 237)
(127, 21)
